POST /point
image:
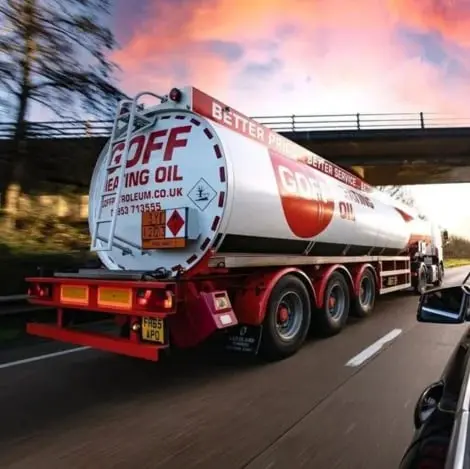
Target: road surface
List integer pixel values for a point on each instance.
(338, 404)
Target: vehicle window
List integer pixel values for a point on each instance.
(449, 300)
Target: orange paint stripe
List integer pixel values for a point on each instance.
(407, 217)
(414, 238)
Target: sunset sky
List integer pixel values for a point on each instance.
(268, 57)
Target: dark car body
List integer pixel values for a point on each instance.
(443, 438)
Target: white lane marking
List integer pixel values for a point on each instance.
(370, 351)
(41, 357)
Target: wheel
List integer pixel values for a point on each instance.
(440, 276)
(419, 282)
(363, 303)
(287, 319)
(336, 302)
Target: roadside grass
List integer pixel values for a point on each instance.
(40, 240)
(448, 263)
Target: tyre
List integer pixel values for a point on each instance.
(287, 319)
(363, 304)
(440, 276)
(336, 303)
(419, 282)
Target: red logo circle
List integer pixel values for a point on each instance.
(307, 208)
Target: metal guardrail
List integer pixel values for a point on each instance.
(12, 298)
(17, 304)
(286, 123)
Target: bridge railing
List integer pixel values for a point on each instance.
(358, 122)
(286, 123)
(60, 129)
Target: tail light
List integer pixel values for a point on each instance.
(155, 299)
(40, 290)
(176, 95)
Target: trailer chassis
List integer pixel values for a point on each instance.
(245, 299)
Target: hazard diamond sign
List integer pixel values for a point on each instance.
(164, 229)
(175, 223)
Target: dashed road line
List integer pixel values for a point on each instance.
(373, 349)
(42, 357)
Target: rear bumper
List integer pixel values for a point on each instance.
(152, 309)
(95, 340)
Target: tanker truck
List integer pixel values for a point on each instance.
(209, 225)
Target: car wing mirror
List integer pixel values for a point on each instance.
(449, 305)
(428, 403)
(445, 237)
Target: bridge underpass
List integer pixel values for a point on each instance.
(396, 157)
(385, 149)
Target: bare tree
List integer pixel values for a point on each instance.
(400, 193)
(53, 52)
(403, 195)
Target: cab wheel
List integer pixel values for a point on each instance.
(440, 276)
(420, 281)
(287, 319)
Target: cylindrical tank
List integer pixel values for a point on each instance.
(221, 190)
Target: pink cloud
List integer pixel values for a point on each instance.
(303, 56)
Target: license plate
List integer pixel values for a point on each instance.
(153, 330)
(115, 297)
(74, 294)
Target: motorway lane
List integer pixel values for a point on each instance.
(95, 410)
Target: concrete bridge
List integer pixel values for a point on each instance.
(396, 149)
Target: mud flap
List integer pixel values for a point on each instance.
(243, 339)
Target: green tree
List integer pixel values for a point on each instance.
(53, 53)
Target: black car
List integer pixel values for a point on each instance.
(441, 417)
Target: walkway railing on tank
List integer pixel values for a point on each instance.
(292, 123)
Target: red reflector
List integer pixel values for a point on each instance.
(143, 297)
(176, 95)
(155, 298)
(39, 290)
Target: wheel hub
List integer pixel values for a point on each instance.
(335, 302)
(283, 314)
(365, 292)
(289, 315)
